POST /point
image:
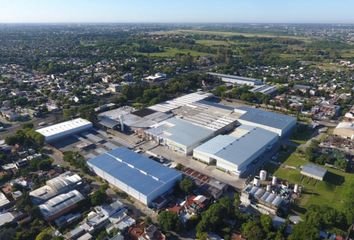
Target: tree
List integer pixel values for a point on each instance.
(252, 231)
(266, 222)
(44, 235)
(169, 221)
(186, 185)
(99, 197)
(303, 230)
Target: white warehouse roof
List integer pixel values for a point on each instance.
(64, 128)
(238, 151)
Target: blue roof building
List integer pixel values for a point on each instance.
(234, 154)
(135, 174)
(271, 121)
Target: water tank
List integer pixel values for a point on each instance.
(263, 175)
(256, 181)
(296, 188)
(269, 188)
(274, 180)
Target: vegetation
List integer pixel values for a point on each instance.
(169, 221)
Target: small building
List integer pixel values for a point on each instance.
(271, 121)
(61, 204)
(314, 171)
(235, 154)
(179, 135)
(135, 174)
(64, 129)
(156, 78)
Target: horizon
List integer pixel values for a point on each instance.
(177, 12)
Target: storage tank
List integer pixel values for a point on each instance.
(256, 181)
(274, 180)
(296, 188)
(263, 175)
(269, 188)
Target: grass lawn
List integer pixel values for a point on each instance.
(332, 191)
(171, 52)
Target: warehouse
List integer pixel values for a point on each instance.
(135, 174)
(210, 115)
(274, 122)
(63, 183)
(313, 171)
(61, 204)
(170, 105)
(179, 135)
(64, 129)
(345, 130)
(237, 80)
(235, 154)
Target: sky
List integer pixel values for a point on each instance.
(177, 11)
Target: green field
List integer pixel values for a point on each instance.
(171, 52)
(211, 43)
(331, 192)
(230, 34)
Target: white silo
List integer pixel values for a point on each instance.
(296, 188)
(256, 181)
(274, 180)
(263, 175)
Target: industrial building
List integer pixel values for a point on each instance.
(170, 105)
(210, 115)
(64, 129)
(265, 89)
(274, 122)
(234, 153)
(266, 201)
(345, 130)
(63, 183)
(313, 171)
(135, 174)
(61, 204)
(179, 135)
(237, 80)
(128, 118)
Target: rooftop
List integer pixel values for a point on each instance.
(60, 202)
(238, 150)
(266, 118)
(135, 170)
(181, 131)
(314, 170)
(180, 101)
(63, 127)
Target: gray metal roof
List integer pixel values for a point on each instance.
(238, 150)
(135, 170)
(181, 132)
(314, 170)
(272, 119)
(60, 202)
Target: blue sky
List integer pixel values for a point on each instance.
(255, 11)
